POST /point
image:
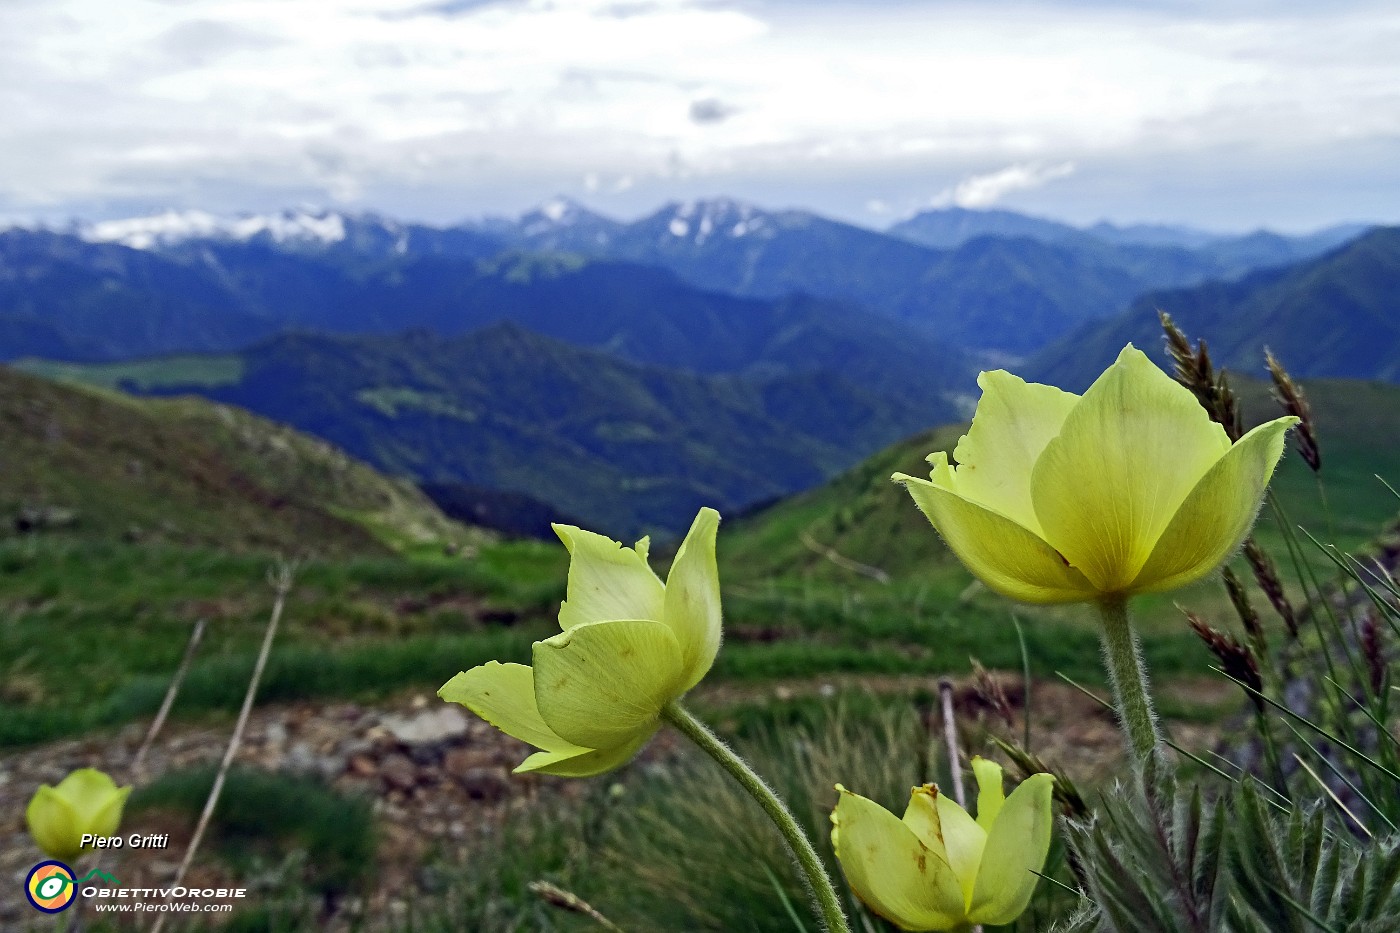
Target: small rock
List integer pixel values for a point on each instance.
(362, 765)
(488, 784)
(398, 772)
(40, 518)
(329, 766)
(432, 879)
(458, 761)
(275, 734)
(429, 726)
(425, 755)
(300, 758)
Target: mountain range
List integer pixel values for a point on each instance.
(991, 281)
(979, 279)
(1333, 316)
(949, 227)
(623, 373)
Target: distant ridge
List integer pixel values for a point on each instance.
(1336, 316)
(950, 227)
(625, 447)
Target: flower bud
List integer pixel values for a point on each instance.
(86, 802)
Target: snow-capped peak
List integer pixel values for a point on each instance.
(699, 220)
(172, 227)
(558, 208)
(554, 214)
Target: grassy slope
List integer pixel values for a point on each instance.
(143, 374)
(180, 507)
(186, 471)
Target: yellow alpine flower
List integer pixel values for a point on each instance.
(86, 802)
(630, 644)
(938, 868)
(1058, 498)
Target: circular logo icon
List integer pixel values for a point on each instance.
(50, 887)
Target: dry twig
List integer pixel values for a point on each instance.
(139, 759)
(281, 580)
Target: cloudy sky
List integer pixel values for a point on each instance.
(1229, 114)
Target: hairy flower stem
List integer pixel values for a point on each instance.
(1134, 702)
(822, 890)
(1130, 693)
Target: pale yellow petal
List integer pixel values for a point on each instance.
(606, 580)
(504, 696)
(1218, 514)
(692, 602)
(1126, 457)
(921, 816)
(601, 684)
(1007, 557)
(1014, 421)
(990, 793)
(891, 870)
(53, 824)
(963, 840)
(1016, 849)
(90, 793)
(107, 820)
(583, 762)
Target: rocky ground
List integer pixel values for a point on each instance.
(438, 777)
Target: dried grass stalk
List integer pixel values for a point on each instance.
(1267, 576)
(1291, 397)
(1194, 370)
(1249, 618)
(1235, 659)
(1374, 653)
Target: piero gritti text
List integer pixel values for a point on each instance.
(134, 841)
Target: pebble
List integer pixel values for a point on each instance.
(430, 726)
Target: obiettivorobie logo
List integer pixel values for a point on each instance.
(52, 887)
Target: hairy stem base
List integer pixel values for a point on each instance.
(1128, 676)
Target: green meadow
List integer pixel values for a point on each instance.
(827, 595)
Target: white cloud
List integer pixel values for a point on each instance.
(466, 105)
(978, 191)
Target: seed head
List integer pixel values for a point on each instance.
(1290, 396)
(1235, 659)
